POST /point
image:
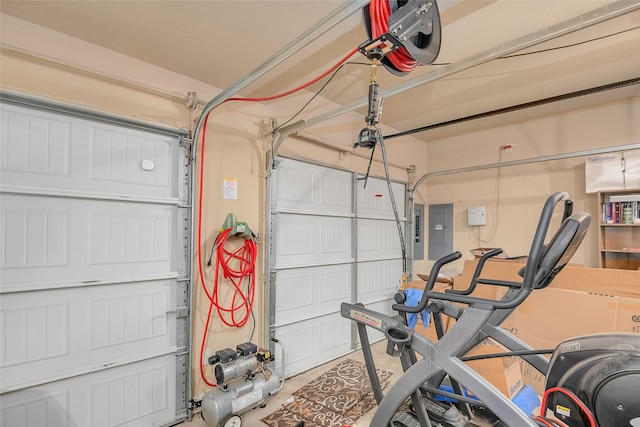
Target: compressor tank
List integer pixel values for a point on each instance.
(217, 404)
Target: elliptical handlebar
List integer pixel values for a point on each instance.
(476, 273)
(433, 275)
(537, 245)
(535, 254)
(568, 209)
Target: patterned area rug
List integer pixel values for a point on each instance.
(337, 398)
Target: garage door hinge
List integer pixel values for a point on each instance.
(181, 312)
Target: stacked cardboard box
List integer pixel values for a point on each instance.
(580, 301)
(503, 373)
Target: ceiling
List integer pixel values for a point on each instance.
(219, 42)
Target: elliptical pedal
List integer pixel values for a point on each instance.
(444, 414)
(440, 414)
(404, 419)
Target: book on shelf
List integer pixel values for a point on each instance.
(621, 212)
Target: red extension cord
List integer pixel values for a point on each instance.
(245, 253)
(570, 395)
(400, 58)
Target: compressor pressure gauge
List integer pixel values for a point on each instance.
(232, 421)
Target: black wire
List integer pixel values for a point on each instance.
(366, 177)
(507, 354)
(253, 328)
(320, 90)
(514, 55)
(569, 45)
(449, 63)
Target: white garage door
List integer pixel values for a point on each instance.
(94, 263)
(331, 241)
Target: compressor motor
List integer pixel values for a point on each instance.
(245, 380)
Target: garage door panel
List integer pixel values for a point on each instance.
(378, 280)
(310, 292)
(117, 157)
(308, 240)
(331, 241)
(130, 395)
(67, 331)
(311, 188)
(90, 252)
(378, 239)
(68, 239)
(374, 199)
(51, 151)
(312, 342)
(35, 143)
(33, 238)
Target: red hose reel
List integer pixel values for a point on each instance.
(402, 33)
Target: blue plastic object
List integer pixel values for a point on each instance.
(527, 399)
(413, 297)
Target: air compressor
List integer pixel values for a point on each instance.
(246, 377)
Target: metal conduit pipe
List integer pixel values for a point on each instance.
(566, 27)
(525, 161)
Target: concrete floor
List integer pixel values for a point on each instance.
(252, 418)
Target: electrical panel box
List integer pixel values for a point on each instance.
(477, 215)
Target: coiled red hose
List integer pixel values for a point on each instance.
(379, 12)
(235, 266)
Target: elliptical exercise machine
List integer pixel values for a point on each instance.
(592, 381)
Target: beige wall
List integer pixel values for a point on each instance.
(522, 190)
(48, 64)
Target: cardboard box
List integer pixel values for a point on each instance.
(605, 281)
(580, 301)
(551, 316)
(479, 252)
(502, 372)
(530, 375)
(447, 280)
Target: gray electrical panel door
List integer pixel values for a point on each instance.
(94, 258)
(440, 230)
